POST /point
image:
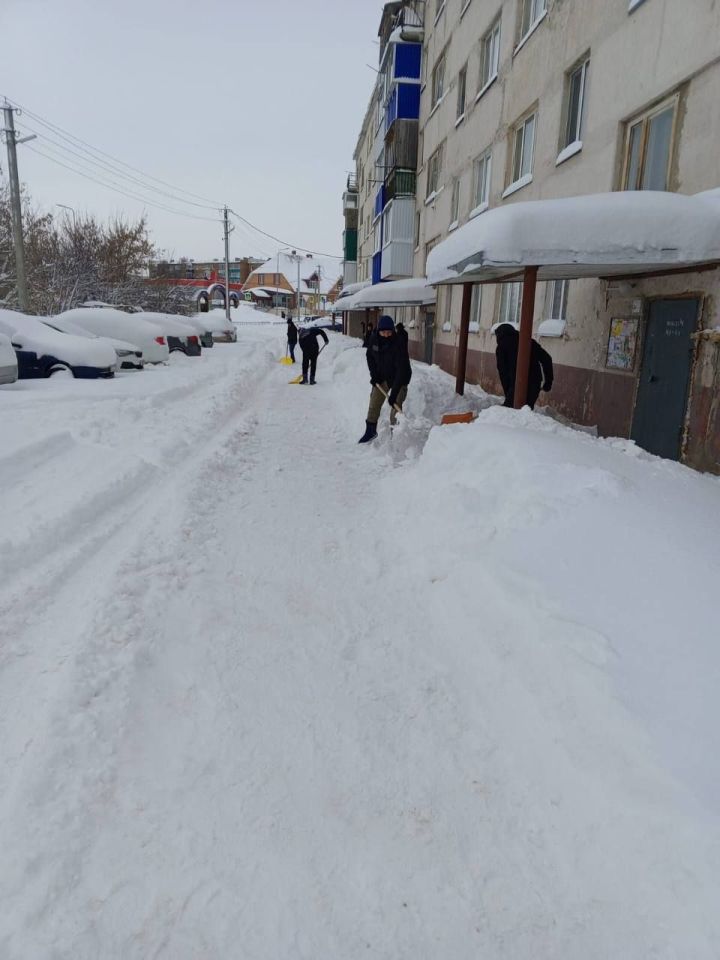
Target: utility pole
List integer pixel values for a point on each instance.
(11, 143)
(227, 264)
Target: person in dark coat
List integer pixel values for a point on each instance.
(368, 334)
(292, 338)
(310, 350)
(388, 360)
(540, 375)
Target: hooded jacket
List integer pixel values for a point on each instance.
(506, 354)
(292, 333)
(388, 360)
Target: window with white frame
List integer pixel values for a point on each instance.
(523, 148)
(489, 55)
(532, 12)
(481, 180)
(438, 80)
(377, 235)
(557, 298)
(510, 301)
(461, 92)
(434, 167)
(575, 109)
(649, 146)
(475, 308)
(455, 200)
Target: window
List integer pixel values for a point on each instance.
(557, 296)
(455, 201)
(649, 148)
(490, 55)
(576, 87)
(417, 229)
(433, 174)
(531, 14)
(510, 300)
(438, 80)
(428, 247)
(261, 278)
(475, 308)
(462, 86)
(524, 141)
(481, 175)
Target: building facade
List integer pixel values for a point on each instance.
(533, 99)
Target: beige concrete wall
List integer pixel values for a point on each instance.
(636, 59)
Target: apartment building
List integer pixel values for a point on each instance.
(535, 99)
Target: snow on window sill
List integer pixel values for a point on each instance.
(434, 195)
(570, 151)
(437, 105)
(464, 9)
(530, 32)
(476, 211)
(518, 185)
(474, 327)
(484, 89)
(453, 226)
(552, 328)
(460, 119)
(439, 13)
(634, 4)
(447, 327)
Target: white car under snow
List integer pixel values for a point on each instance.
(181, 336)
(42, 352)
(129, 357)
(8, 361)
(108, 322)
(216, 323)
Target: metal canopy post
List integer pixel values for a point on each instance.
(464, 331)
(526, 322)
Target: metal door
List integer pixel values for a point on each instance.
(429, 336)
(662, 397)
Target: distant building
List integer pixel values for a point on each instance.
(203, 270)
(275, 282)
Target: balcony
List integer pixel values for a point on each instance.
(380, 201)
(400, 183)
(350, 201)
(403, 104)
(352, 183)
(377, 267)
(350, 245)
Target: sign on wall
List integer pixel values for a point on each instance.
(622, 343)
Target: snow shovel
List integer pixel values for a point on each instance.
(396, 408)
(286, 359)
(299, 379)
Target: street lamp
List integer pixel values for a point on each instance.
(71, 209)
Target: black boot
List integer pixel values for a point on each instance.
(370, 432)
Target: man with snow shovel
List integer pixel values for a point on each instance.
(292, 338)
(540, 376)
(310, 350)
(390, 372)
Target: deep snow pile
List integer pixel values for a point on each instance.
(266, 693)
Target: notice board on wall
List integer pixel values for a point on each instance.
(622, 343)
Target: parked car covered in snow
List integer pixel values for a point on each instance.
(42, 352)
(128, 355)
(109, 322)
(215, 322)
(8, 360)
(180, 336)
(199, 325)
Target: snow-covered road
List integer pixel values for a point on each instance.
(268, 695)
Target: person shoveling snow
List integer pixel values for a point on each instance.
(390, 373)
(310, 351)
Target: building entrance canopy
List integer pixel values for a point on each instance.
(413, 292)
(609, 235)
(600, 235)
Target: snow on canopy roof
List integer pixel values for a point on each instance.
(352, 288)
(259, 292)
(598, 235)
(395, 293)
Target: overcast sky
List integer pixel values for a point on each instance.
(257, 104)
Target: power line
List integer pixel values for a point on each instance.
(296, 246)
(109, 186)
(105, 168)
(77, 140)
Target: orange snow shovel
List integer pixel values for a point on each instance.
(458, 418)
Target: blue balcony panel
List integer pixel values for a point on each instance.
(377, 267)
(408, 60)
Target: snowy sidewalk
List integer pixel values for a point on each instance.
(266, 694)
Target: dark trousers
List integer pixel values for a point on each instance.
(291, 347)
(309, 361)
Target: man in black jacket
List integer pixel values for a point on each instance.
(540, 375)
(389, 364)
(292, 338)
(310, 350)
